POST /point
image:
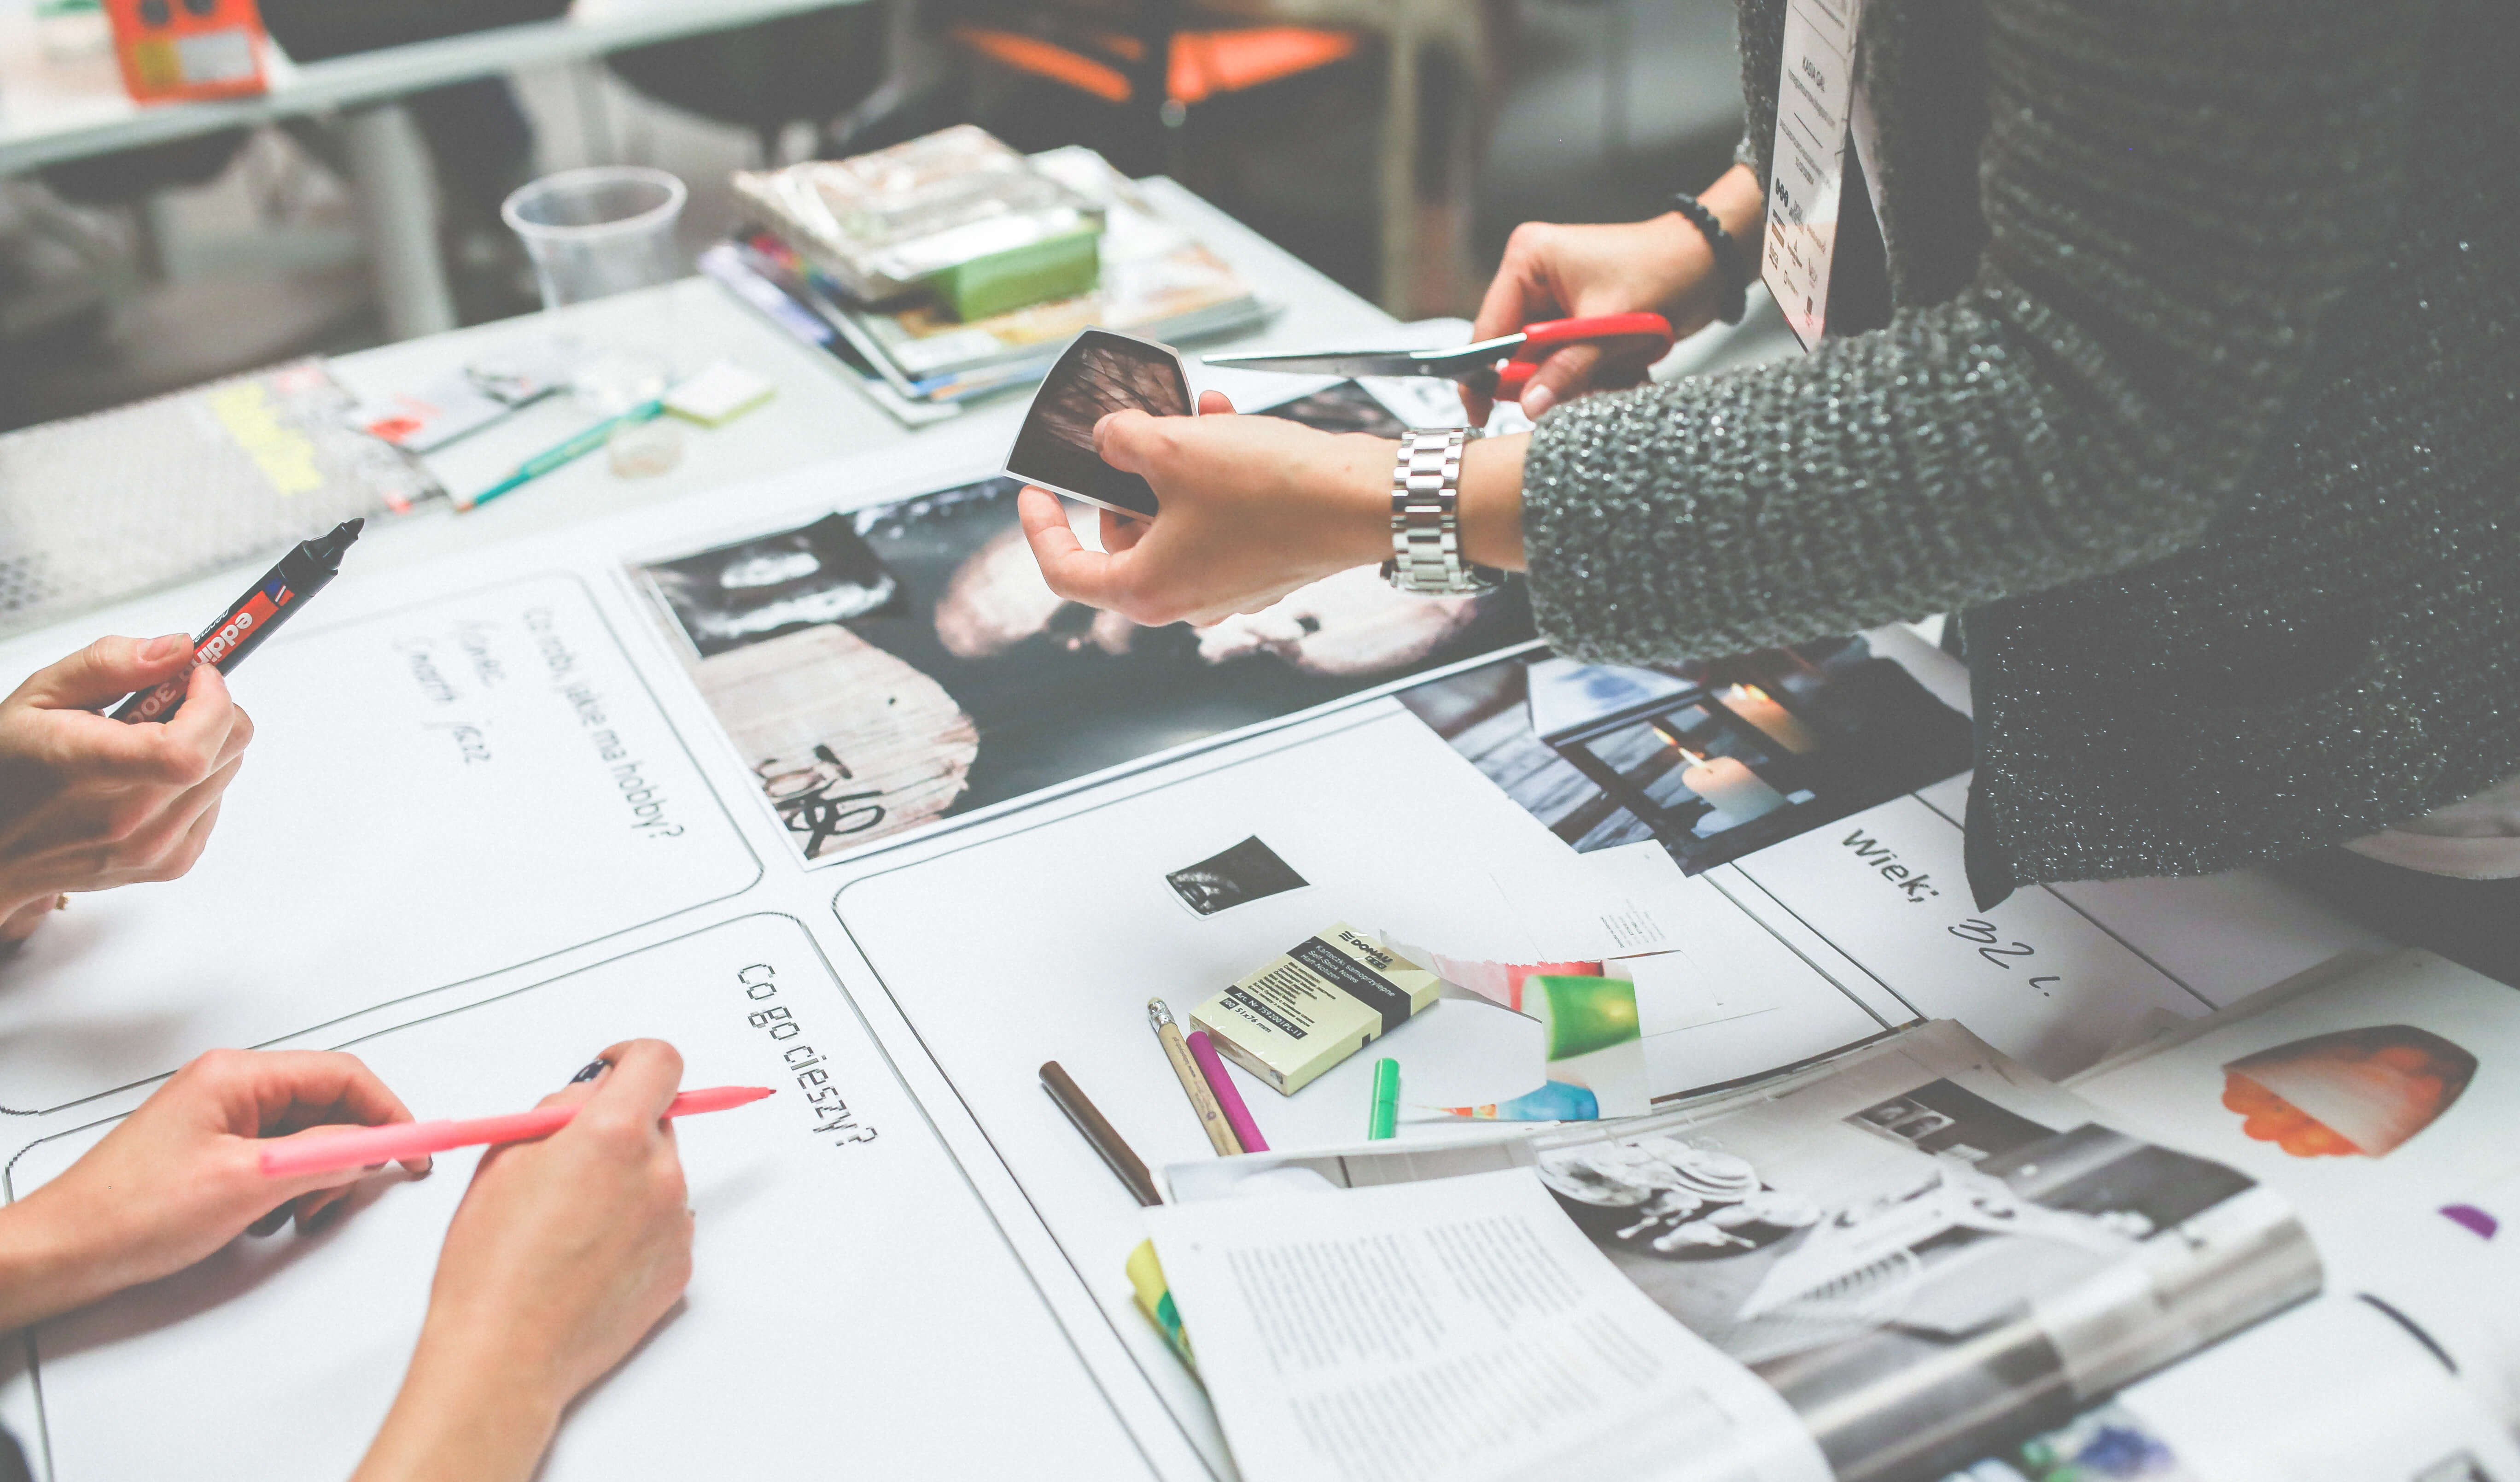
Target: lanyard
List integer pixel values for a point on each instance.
(1815, 102)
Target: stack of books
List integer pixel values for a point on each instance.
(919, 363)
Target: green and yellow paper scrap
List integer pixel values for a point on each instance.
(1596, 1064)
(1155, 1300)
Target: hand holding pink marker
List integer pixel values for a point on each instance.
(370, 1145)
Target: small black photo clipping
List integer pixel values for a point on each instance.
(1248, 871)
(1100, 373)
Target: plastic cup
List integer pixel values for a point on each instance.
(597, 232)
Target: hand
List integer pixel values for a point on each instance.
(1251, 508)
(564, 1252)
(1559, 272)
(89, 803)
(182, 1176)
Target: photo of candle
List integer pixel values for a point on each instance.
(1761, 709)
(1607, 758)
(1726, 782)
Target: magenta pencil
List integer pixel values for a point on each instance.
(371, 1146)
(1228, 1100)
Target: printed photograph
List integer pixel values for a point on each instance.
(1248, 871)
(1712, 760)
(891, 666)
(2358, 1093)
(821, 573)
(1101, 373)
(1347, 408)
(1877, 1289)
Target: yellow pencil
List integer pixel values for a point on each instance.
(1211, 1116)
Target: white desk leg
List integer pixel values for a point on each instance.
(397, 197)
(1401, 107)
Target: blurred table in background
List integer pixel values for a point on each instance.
(816, 415)
(53, 110)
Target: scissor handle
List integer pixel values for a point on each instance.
(1652, 332)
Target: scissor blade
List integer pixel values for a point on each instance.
(1397, 363)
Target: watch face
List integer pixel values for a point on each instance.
(1100, 373)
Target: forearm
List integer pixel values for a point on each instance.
(2144, 305)
(462, 1413)
(40, 1273)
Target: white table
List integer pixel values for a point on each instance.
(51, 111)
(816, 415)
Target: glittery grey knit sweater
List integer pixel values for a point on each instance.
(2200, 399)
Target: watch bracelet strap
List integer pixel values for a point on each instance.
(1425, 517)
(1728, 262)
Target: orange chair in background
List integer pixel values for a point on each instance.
(1111, 54)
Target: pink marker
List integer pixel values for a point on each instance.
(412, 1140)
(1228, 1100)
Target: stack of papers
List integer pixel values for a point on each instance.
(1157, 283)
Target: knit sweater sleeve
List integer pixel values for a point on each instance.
(2174, 190)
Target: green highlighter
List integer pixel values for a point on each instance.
(570, 452)
(1386, 1099)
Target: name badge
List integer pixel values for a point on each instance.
(1815, 100)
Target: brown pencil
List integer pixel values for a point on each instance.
(1106, 1139)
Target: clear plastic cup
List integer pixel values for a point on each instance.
(597, 232)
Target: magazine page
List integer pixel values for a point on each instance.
(1923, 1249)
(1462, 1329)
(2334, 1390)
(2381, 1104)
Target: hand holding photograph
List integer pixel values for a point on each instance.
(1098, 374)
(884, 668)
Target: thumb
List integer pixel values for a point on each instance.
(107, 671)
(1119, 438)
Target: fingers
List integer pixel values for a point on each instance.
(1562, 377)
(646, 1074)
(166, 847)
(107, 671)
(188, 850)
(208, 733)
(317, 1211)
(207, 724)
(1518, 294)
(312, 1088)
(1073, 571)
(22, 921)
(1214, 404)
(1120, 531)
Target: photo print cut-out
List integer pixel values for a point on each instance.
(2356, 1091)
(1248, 871)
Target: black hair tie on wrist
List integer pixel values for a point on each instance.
(1728, 255)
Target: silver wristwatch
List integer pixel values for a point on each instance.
(1426, 521)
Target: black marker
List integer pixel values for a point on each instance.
(283, 589)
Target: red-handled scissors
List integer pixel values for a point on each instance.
(1498, 368)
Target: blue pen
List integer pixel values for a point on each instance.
(570, 452)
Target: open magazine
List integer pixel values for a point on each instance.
(2261, 1247)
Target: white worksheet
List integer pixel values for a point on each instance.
(434, 793)
(489, 825)
(2030, 976)
(853, 1310)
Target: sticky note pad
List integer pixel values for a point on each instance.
(1315, 1004)
(720, 393)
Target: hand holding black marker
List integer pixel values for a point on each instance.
(249, 619)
